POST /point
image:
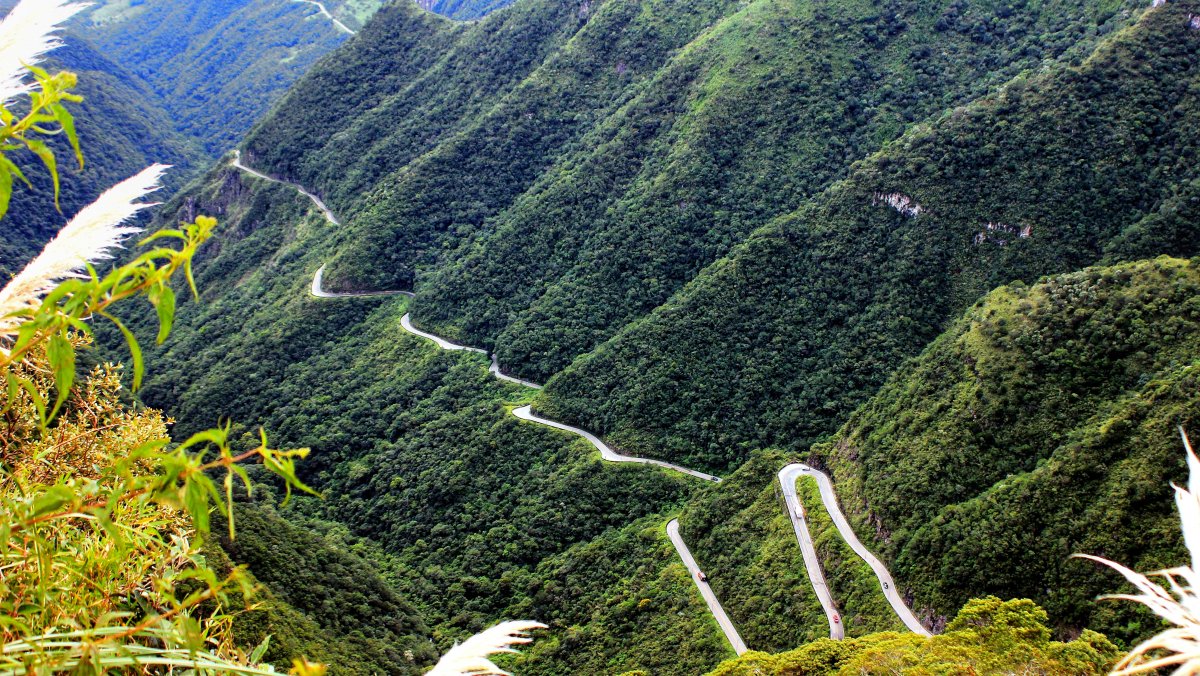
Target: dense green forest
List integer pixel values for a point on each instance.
(716, 227)
(215, 66)
(784, 338)
(633, 154)
(467, 511)
(1041, 425)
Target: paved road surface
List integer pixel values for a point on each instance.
(526, 413)
(788, 477)
(318, 291)
(237, 162)
(714, 606)
(321, 6)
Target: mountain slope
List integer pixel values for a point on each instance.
(756, 115)
(424, 467)
(435, 132)
(1041, 425)
(216, 66)
(782, 339)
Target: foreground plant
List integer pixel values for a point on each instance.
(472, 656)
(100, 514)
(1178, 601)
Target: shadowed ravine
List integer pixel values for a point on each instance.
(788, 476)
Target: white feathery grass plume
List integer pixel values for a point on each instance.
(88, 238)
(470, 658)
(26, 34)
(1178, 602)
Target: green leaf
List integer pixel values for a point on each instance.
(53, 500)
(64, 118)
(135, 351)
(163, 298)
(61, 354)
(47, 156)
(257, 654)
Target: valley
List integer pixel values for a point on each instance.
(729, 337)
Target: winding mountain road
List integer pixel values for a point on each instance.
(328, 15)
(329, 216)
(714, 606)
(788, 476)
(526, 413)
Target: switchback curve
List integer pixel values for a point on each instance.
(788, 476)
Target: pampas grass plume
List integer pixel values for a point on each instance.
(1177, 600)
(26, 34)
(470, 658)
(88, 238)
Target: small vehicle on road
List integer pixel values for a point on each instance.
(837, 619)
(701, 576)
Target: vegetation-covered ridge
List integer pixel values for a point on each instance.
(1039, 426)
(638, 143)
(465, 510)
(513, 153)
(784, 338)
(829, 518)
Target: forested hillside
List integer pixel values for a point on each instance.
(466, 510)
(785, 337)
(215, 66)
(718, 227)
(627, 165)
(1041, 425)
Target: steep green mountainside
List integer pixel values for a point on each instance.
(436, 143)
(620, 127)
(759, 113)
(1042, 424)
(781, 340)
(318, 601)
(122, 131)
(467, 511)
(460, 131)
(216, 66)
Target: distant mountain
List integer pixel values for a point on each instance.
(214, 66)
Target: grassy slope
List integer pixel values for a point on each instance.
(805, 320)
